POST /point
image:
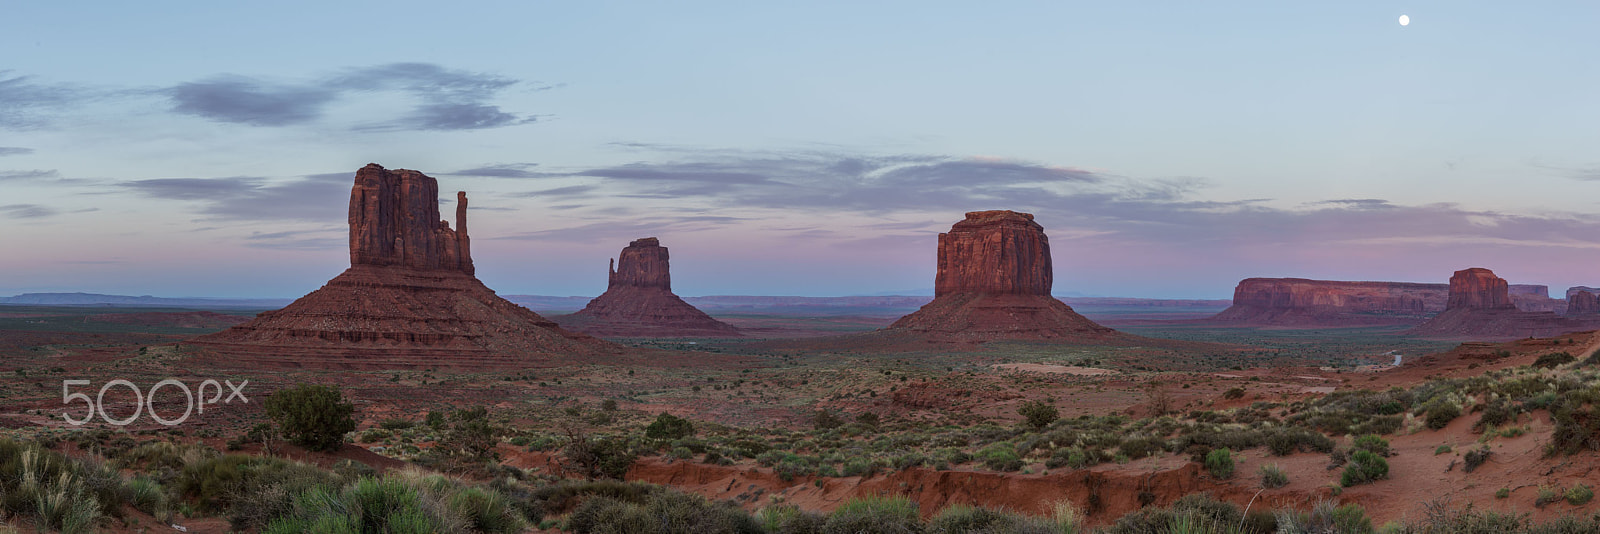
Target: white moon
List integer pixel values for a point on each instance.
(1404, 20)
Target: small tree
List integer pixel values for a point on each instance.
(1160, 399)
(472, 435)
(312, 416)
(668, 426)
(1039, 414)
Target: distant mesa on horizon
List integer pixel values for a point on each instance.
(1480, 307)
(409, 298)
(1300, 302)
(639, 302)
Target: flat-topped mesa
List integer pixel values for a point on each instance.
(994, 253)
(643, 263)
(1583, 301)
(394, 220)
(1479, 289)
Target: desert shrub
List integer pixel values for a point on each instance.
(868, 419)
(1371, 443)
(1497, 412)
(1197, 512)
(601, 457)
(789, 519)
(1233, 393)
(999, 457)
(1364, 468)
(1220, 463)
(1038, 413)
(147, 495)
(485, 510)
(1287, 441)
(312, 416)
(434, 419)
(1069, 457)
(1475, 458)
(1440, 413)
(1548, 495)
(59, 493)
(964, 519)
(471, 435)
(879, 515)
(1577, 426)
(1579, 495)
(1378, 424)
(859, 466)
(1273, 476)
(1140, 447)
(1327, 516)
(397, 424)
(668, 426)
(826, 420)
(1553, 360)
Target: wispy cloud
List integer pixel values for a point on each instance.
(442, 99)
(247, 101)
(30, 175)
(318, 197)
(14, 151)
(25, 104)
(27, 211)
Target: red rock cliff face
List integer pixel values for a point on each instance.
(993, 283)
(409, 299)
(994, 253)
(1479, 289)
(1302, 302)
(642, 264)
(1583, 301)
(394, 220)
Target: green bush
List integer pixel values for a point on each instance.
(964, 519)
(1441, 413)
(1371, 443)
(668, 426)
(999, 457)
(1273, 476)
(1038, 413)
(660, 512)
(1220, 463)
(1364, 468)
(1553, 360)
(878, 515)
(1579, 495)
(312, 416)
(1193, 513)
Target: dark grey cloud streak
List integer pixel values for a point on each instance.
(27, 211)
(314, 198)
(15, 151)
(444, 99)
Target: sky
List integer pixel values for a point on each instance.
(803, 148)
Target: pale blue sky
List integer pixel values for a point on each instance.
(1170, 149)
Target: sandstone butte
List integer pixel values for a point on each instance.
(1480, 307)
(409, 298)
(1582, 300)
(993, 282)
(1303, 302)
(639, 302)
